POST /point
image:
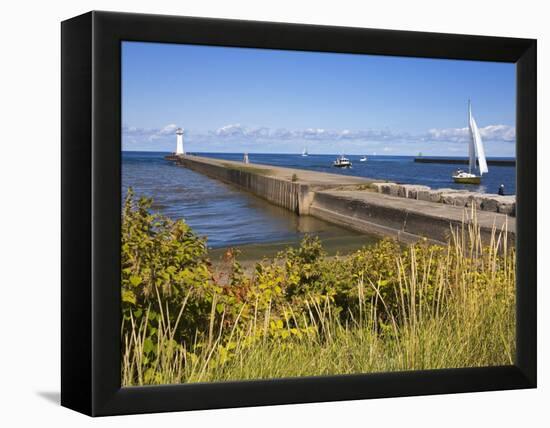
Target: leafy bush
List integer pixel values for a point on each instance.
(164, 268)
(383, 307)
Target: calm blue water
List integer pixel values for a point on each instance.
(223, 214)
(229, 217)
(400, 169)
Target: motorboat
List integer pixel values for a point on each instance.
(342, 162)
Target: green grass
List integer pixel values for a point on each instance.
(425, 307)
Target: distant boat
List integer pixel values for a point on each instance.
(475, 150)
(342, 162)
(363, 159)
(305, 153)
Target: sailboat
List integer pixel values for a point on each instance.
(304, 153)
(475, 150)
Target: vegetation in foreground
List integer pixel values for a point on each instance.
(383, 308)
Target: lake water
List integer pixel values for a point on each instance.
(400, 169)
(230, 217)
(222, 213)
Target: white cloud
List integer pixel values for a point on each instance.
(316, 134)
(132, 134)
(235, 130)
(237, 135)
(458, 135)
(499, 132)
(462, 135)
(159, 133)
(238, 131)
(168, 129)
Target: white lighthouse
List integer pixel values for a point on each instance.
(179, 145)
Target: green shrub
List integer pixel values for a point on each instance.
(384, 307)
(164, 266)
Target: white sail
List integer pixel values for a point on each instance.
(471, 152)
(476, 144)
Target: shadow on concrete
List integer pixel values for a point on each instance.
(53, 397)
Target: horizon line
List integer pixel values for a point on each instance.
(315, 154)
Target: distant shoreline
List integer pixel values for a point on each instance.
(464, 161)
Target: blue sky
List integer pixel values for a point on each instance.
(256, 100)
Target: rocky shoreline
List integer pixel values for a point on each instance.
(460, 198)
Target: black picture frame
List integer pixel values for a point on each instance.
(91, 201)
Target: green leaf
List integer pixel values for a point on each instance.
(149, 375)
(148, 346)
(135, 280)
(128, 297)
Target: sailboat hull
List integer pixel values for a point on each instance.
(467, 180)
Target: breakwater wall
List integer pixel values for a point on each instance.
(495, 162)
(258, 180)
(357, 203)
(397, 218)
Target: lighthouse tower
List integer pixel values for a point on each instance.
(179, 145)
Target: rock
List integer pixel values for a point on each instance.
(434, 195)
(507, 205)
(394, 189)
(500, 204)
(459, 199)
(489, 203)
(455, 197)
(474, 199)
(387, 188)
(378, 186)
(428, 195)
(410, 191)
(447, 190)
(423, 195)
(508, 209)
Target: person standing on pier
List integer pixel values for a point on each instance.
(501, 190)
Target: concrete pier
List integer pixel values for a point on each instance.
(362, 204)
(289, 188)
